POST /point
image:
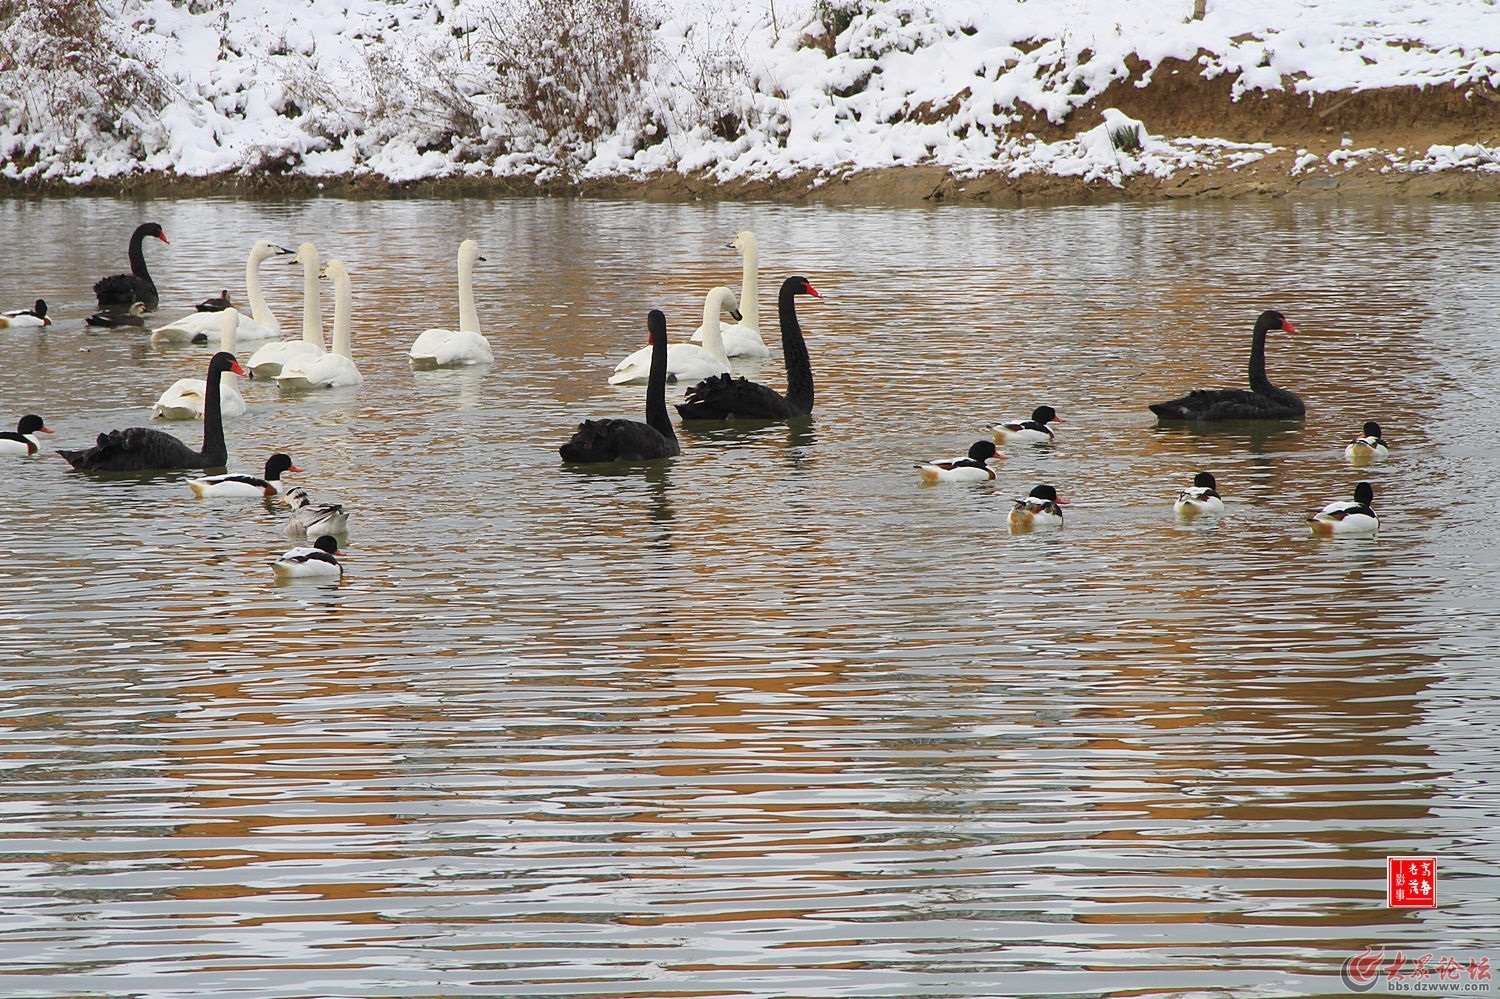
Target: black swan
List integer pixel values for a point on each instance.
(22, 440)
(629, 440)
(726, 397)
(1263, 401)
(115, 293)
(141, 449)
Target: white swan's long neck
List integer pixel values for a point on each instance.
(468, 314)
(259, 310)
(342, 342)
(228, 330)
(312, 311)
(750, 284)
(713, 334)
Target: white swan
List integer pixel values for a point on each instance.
(687, 362)
(440, 348)
(743, 338)
(262, 323)
(269, 358)
(184, 399)
(335, 369)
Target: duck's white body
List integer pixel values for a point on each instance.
(445, 348)
(686, 362)
(317, 561)
(1201, 499)
(1198, 501)
(33, 317)
(314, 518)
(184, 399)
(270, 358)
(1040, 511)
(335, 368)
(973, 467)
(22, 442)
(260, 325)
(743, 338)
(237, 484)
(1347, 518)
(1033, 431)
(1368, 447)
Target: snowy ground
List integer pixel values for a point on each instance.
(736, 89)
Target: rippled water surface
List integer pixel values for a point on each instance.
(771, 719)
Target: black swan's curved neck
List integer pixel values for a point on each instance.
(799, 377)
(215, 449)
(1258, 380)
(137, 257)
(657, 417)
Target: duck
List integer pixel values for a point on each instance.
(726, 397)
(630, 440)
(1201, 499)
(686, 362)
(183, 399)
(142, 449)
(335, 368)
(270, 358)
(1032, 431)
(117, 292)
(133, 316)
(974, 468)
(1039, 511)
(215, 303)
(316, 561)
(21, 318)
(239, 484)
(22, 441)
(202, 323)
(1262, 401)
(1345, 518)
(445, 348)
(743, 340)
(1368, 447)
(313, 518)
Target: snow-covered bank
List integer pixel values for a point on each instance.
(750, 94)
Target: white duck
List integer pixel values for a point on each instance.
(1201, 499)
(241, 484)
(334, 369)
(184, 399)
(1347, 518)
(261, 325)
(687, 362)
(34, 316)
(443, 348)
(270, 358)
(22, 441)
(310, 562)
(743, 338)
(314, 518)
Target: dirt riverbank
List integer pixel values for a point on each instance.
(1390, 129)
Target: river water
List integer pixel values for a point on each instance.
(771, 719)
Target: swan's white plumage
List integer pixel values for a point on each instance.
(184, 399)
(445, 348)
(743, 338)
(686, 362)
(270, 358)
(262, 323)
(335, 368)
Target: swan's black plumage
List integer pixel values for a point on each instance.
(115, 293)
(1262, 401)
(144, 449)
(629, 440)
(727, 397)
